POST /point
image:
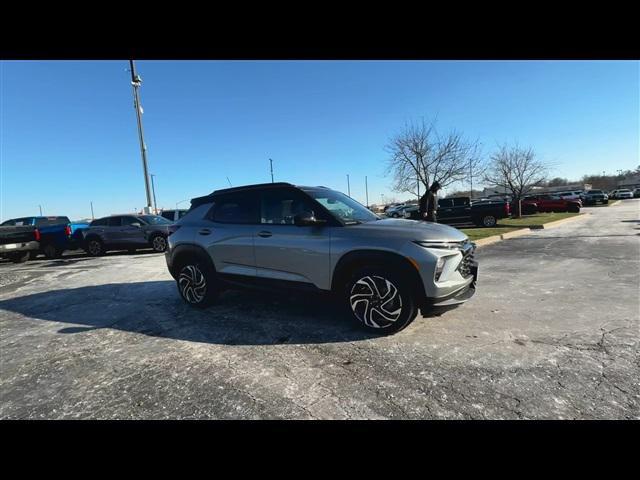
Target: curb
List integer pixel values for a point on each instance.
(525, 230)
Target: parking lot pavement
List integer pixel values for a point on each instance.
(552, 333)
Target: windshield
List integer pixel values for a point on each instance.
(155, 220)
(344, 208)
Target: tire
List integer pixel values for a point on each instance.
(20, 257)
(33, 254)
(94, 247)
(605, 202)
(159, 243)
(489, 221)
(50, 251)
(380, 299)
(197, 283)
(574, 209)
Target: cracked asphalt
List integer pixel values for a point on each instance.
(551, 334)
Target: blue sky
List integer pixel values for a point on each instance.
(68, 129)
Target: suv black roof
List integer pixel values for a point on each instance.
(197, 201)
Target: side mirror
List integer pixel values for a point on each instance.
(306, 219)
(136, 224)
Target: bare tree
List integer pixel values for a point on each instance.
(517, 170)
(419, 156)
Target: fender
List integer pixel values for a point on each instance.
(361, 258)
(186, 250)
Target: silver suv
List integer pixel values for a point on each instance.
(314, 238)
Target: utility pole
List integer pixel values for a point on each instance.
(92, 217)
(232, 185)
(271, 163)
(40, 206)
(153, 188)
(348, 186)
(366, 190)
(136, 81)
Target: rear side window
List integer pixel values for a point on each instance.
(101, 222)
(45, 221)
(238, 208)
(126, 221)
(8, 223)
(114, 221)
(460, 202)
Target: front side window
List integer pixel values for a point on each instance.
(281, 206)
(445, 203)
(238, 208)
(342, 207)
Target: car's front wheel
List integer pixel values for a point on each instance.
(197, 284)
(380, 300)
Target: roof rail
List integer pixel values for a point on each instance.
(207, 198)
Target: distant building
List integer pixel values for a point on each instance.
(630, 182)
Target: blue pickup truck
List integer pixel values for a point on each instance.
(56, 234)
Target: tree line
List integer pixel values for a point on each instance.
(420, 154)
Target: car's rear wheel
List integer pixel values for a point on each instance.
(197, 284)
(51, 251)
(94, 247)
(159, 243)
(489, 221)
(20, 257)
(380, 300)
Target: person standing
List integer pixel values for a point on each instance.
(429, 203)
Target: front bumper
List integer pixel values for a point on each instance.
(456, 298)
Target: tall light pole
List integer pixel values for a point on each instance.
(348, 186)
(366, 190)
(92, 217)
(153, 187)
(232, 185)
(271, 164)
(40, 206)
(136, 81)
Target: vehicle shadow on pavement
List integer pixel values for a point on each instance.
(155, 309)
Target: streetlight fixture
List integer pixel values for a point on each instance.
(181, 201)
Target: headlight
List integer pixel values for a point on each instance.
(443, 245)
(440, 267)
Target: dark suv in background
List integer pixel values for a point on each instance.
(126, 232)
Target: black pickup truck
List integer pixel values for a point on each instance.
(462, 210)
(18, 243)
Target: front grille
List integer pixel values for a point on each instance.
(467, 251)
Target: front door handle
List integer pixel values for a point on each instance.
(204, 231)
(264, 234)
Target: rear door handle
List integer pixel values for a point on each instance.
(264, 234)
(204, 231)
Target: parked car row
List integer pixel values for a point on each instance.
(28, 237)
(461, 210)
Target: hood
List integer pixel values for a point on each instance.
(410, 229)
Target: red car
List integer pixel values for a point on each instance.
(551, 203)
